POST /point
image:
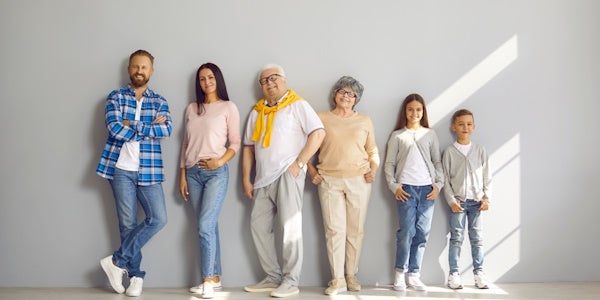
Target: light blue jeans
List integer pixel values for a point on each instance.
(470, 215)
(134, 236)
(207, 190)
(415, 223)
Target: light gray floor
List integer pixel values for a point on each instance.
(524, 291)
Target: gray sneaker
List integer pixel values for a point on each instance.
(265, 285)
(285, 290)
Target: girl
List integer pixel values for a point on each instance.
(413, 171)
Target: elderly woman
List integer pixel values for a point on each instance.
(347, 162)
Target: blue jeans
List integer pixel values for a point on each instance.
(207, 190)
(415, 223)
(133, 235)
(457, 235)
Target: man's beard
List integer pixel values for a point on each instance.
(138, 82)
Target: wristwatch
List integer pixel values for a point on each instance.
(300, 164)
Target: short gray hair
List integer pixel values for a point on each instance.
(349, 82)
(280, 70)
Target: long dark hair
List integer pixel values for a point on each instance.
(221, 88)
(402, 116)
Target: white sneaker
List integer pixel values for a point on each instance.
(135, 287)
(114, 274)
(399, 281)
(481, 281)
(285, 290)
(413, 281)
(198, 289)
(207, 291)
(454, 281)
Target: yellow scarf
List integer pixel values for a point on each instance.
(263, 110)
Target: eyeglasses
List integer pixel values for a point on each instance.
(343, 92)
(271, 78)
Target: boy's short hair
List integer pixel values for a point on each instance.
(460, 113)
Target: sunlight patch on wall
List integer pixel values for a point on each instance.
(503, 221)
(472, 81)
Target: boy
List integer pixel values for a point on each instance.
(467, 191)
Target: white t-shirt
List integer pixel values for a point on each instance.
(415, 170)
(464, 149)
(291, 128)
(129, 157)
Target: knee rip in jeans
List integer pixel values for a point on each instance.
(478, 243)
(456, 243)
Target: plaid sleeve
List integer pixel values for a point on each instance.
(113, 118)
(157, 130)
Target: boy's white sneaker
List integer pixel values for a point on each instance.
(399, 281)
(413, 281)
(454, 281)
(481, 281)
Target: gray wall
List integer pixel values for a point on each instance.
(529, 70)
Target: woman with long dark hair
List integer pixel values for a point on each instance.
(211, 139)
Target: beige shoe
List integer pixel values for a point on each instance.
(353, 284)
(336, 286)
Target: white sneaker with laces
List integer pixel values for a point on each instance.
(454, 281)
(413, 281)
(135, 287)
(114, 274)
(481, 281)
(399, 281)
(207, 291)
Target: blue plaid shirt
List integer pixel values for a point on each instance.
(120, 105)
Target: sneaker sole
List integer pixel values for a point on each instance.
(284, 295)
(258, 290)
(418, 288)
(341, 290)
(355, 289)
(399, 288)
(199, 291)
(133, 294)
(455, 288)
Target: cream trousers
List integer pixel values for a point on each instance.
(344, 204)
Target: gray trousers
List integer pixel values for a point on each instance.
(281, 199)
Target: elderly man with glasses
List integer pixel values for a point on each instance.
(282, 134)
